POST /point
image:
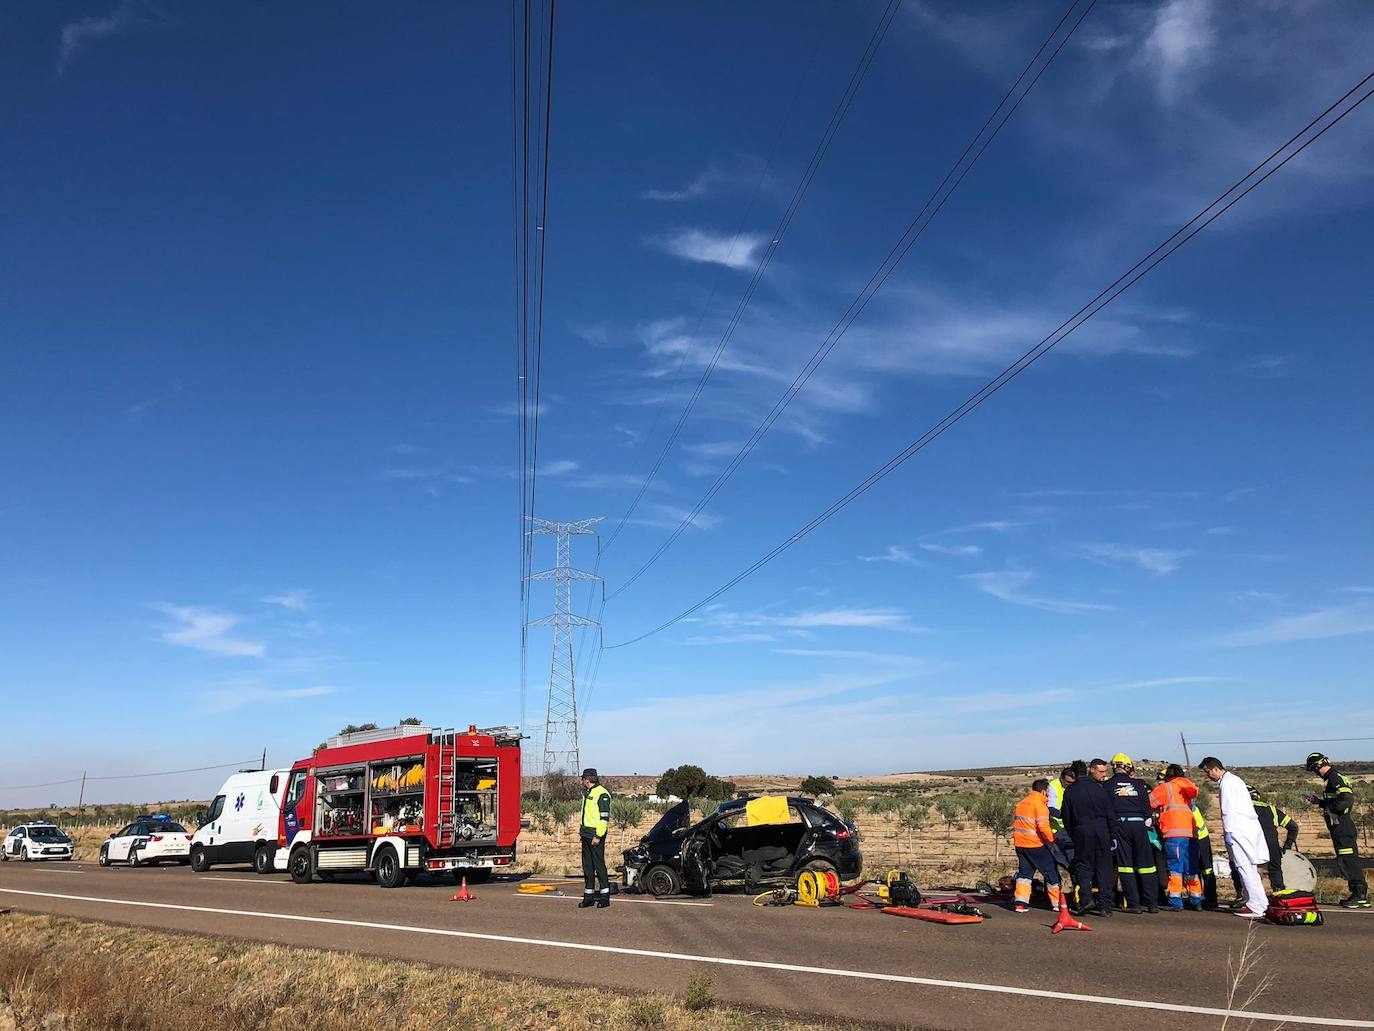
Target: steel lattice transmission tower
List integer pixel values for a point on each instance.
(561, 751)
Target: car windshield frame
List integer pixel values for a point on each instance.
(679, 817)
(49, 836)
(162, 827)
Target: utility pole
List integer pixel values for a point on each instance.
(264, 760)
(81, 798)
(561, 750)
(1188, 762)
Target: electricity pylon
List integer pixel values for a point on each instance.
(561, 750)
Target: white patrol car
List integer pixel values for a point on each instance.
(150, 840)
(38, 840)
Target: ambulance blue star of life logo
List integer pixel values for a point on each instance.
(238, 803)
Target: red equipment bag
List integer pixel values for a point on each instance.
(1293, 909)
(1292, 899)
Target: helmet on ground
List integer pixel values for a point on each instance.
(1315, 761)
(1121, 759)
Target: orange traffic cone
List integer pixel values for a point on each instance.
(1067, 921)
(463, 894)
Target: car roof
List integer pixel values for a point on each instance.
(739, 803)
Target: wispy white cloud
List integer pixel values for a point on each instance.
(1338, 621)
(1153, 560)
(1358, 590)
(207, 630)
(1009, 586)
(1178, 46)
(1219, 531)
(955, 550)
(1141, 685)
(242, 694)
(559, 467)
(987, 525)
(742, 638)
(297, 600)
(670, 517)
(895, 553)
(79, 36)
(406, 449)
(872, 618)
(711, 248)
(702, 186)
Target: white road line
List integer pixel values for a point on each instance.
(619, 900)
(725, 961)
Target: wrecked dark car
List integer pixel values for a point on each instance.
(750, 841)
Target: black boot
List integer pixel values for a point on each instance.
(603, 900)
(588, 900)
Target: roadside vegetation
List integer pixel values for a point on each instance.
(57, 972)
(944, 829)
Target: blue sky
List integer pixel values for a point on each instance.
(258, 379)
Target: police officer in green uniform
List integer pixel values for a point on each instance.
(596, 820)
(1336, 802)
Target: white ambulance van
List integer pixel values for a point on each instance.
(241, 823)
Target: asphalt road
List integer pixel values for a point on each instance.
(849, 966)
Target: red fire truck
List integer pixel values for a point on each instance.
(400, 801)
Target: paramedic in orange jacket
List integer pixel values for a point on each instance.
(1173, 805)
(1033, 838)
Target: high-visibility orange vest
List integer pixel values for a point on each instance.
(1030, 827)
(1171, 800)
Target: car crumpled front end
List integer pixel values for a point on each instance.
(636, 861)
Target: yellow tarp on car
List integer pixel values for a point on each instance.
(759, 812)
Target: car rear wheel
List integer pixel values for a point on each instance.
(133, 857)
(390, 873)
(200, 860)
(262, 860)
(300, 865)
(662, 880)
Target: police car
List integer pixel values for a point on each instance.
(148, 840)
(38, 840)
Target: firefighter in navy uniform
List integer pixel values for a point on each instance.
(1272, 820)
(1203, 843)
(1135, 857)
(1087, 812)
(1336, 802)
(596, 821)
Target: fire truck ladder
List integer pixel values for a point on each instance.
(446, 820)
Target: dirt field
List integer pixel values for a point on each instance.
(57, 972)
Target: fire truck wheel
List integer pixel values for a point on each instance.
(300, 865)
(262, 859)
(390, 873)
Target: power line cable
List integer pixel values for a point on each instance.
(1106, 296)
(913, 232)
(126, 776)
(856, 80)
(1289, 741)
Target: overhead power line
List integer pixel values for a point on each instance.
(832, 127)
(1289, 741)
(126, 776)
(532, 44)
(943, 191)
(1209, 214)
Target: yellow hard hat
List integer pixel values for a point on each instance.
(1121, 759)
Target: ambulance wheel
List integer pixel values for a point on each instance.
(662, 880)
(262, 859)
(300, 865)
(390, 873)
(200, 860)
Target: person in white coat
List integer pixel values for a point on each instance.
(1243, 834)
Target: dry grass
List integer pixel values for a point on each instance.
(104, 978)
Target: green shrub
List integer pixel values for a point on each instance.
(700, 993)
